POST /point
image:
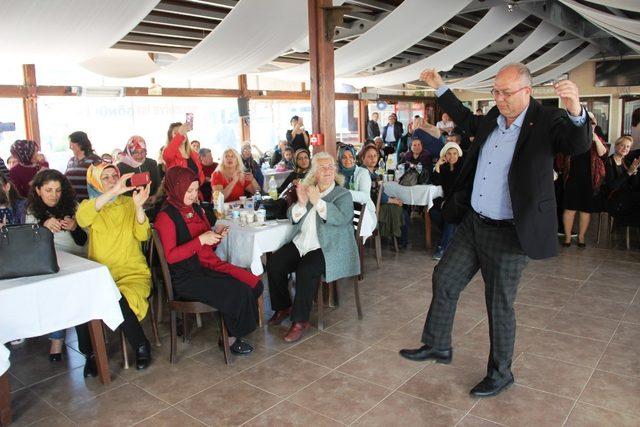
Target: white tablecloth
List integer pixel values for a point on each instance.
(244, 246)
(417, 195)
(82, 290)
(279, 176)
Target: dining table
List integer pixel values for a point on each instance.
(83, 291)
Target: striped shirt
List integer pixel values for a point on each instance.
(77, 174)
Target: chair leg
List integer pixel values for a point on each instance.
(225, 340)
(378, 245)
(320, 306)
(174, 337)
(356, 290)
(395, 244)
(184, 327)
(627, 236)
(361, 255)
(611, 225)
(260, 312)
(198, 320)
(336, 294)
(159, 303)
(427, 228)
(125, 356)
(154, 322)
(599, 228)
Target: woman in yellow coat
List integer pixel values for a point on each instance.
(117, 225)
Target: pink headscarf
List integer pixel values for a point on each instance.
(135, 143)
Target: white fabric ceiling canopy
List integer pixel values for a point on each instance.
(632, 5)
(579, 58)
(542, 35)
(557, 52)
(494, 24)
(121, 63)
(70, 30)
(254, 33)
(392, 35)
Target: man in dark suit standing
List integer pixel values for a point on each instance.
(392, 131)
(504, 201)
(373, 129)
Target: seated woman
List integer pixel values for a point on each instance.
(417, 155)
(391, 218)
(357, 180)
(231, 179)
(301, 162)
(622, 183)
(286, 164)
(196, 271)
(178, 151)
(52, 205)
(13, 207)
(323, 243)
(445, 173)
(136, 161)
(250, 164)
(117, 225)
(23, 172)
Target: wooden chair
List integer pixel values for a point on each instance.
(358, 212)
(184, 307)
(627, 227)
(376, 233)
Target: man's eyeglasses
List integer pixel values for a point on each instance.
(505, 93)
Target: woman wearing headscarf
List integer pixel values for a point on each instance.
(356, 179)
(22, 173)
(197, 272)
(251, 165)
(117, 225)
(135, 160)
(301, 161)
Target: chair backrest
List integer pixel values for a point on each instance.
(166, 275)
(379, 199)
(358, 214)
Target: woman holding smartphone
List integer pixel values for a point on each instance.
(197, 272)
(178, 151)
(231, 178)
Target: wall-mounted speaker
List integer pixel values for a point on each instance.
(243, 107)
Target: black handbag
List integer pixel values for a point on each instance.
(26, 250)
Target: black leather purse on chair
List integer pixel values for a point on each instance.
(26, 250)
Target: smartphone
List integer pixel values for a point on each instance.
(189, 120)
(140, 179)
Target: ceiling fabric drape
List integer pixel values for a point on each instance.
(576, 60)
(389, 37)
(36, 31)
(121, 64)
(492, 26)
(539, 37)
(631, 5)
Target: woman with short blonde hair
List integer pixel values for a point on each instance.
(231, 178)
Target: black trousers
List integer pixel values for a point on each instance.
(497, 253)
(131, 327)
(236, 300)
(308, 268)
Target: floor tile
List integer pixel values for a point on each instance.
(576, 350)
(554, 284)
(518, 403)
(621, 359)
(542, 298)
(606, 291)
(170, 417)
(287, 414)
(411, 411)
(328, 349)
(340, 397)
(283, 374)
(377, 325)
(629, 335)
(473, 421)
(552, 376)
(534, 316)
(633, 314)
(592, 416)
(445, 385)
(383, 367)
(28, 408)
(614, 392)
(229, 403)
(596, 307)
(36, 366)
(583, 326)
(124, 405)
(215, 359)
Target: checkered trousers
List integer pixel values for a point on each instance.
(497, 253)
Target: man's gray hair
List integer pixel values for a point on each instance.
(203, 152)
(521, 69)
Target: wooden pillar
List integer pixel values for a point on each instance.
(363, 117)
(323, 97)
(30, 103)
(245, 128)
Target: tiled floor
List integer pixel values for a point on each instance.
(577, 360)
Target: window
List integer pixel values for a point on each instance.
(270, 120)
(11, 112)
(599, 106)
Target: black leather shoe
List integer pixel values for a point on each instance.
(143, 356)
(489, 387)
(90, 368)
(427, 353)
(55, 357)
(241, 347)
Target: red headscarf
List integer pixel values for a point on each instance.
(176, 183)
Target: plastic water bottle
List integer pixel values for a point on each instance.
(257, 200)
(419, 168)
(273, 188)
(400, 170)
(381, 167)
(265, 166)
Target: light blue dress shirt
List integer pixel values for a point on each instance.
(490, 196)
